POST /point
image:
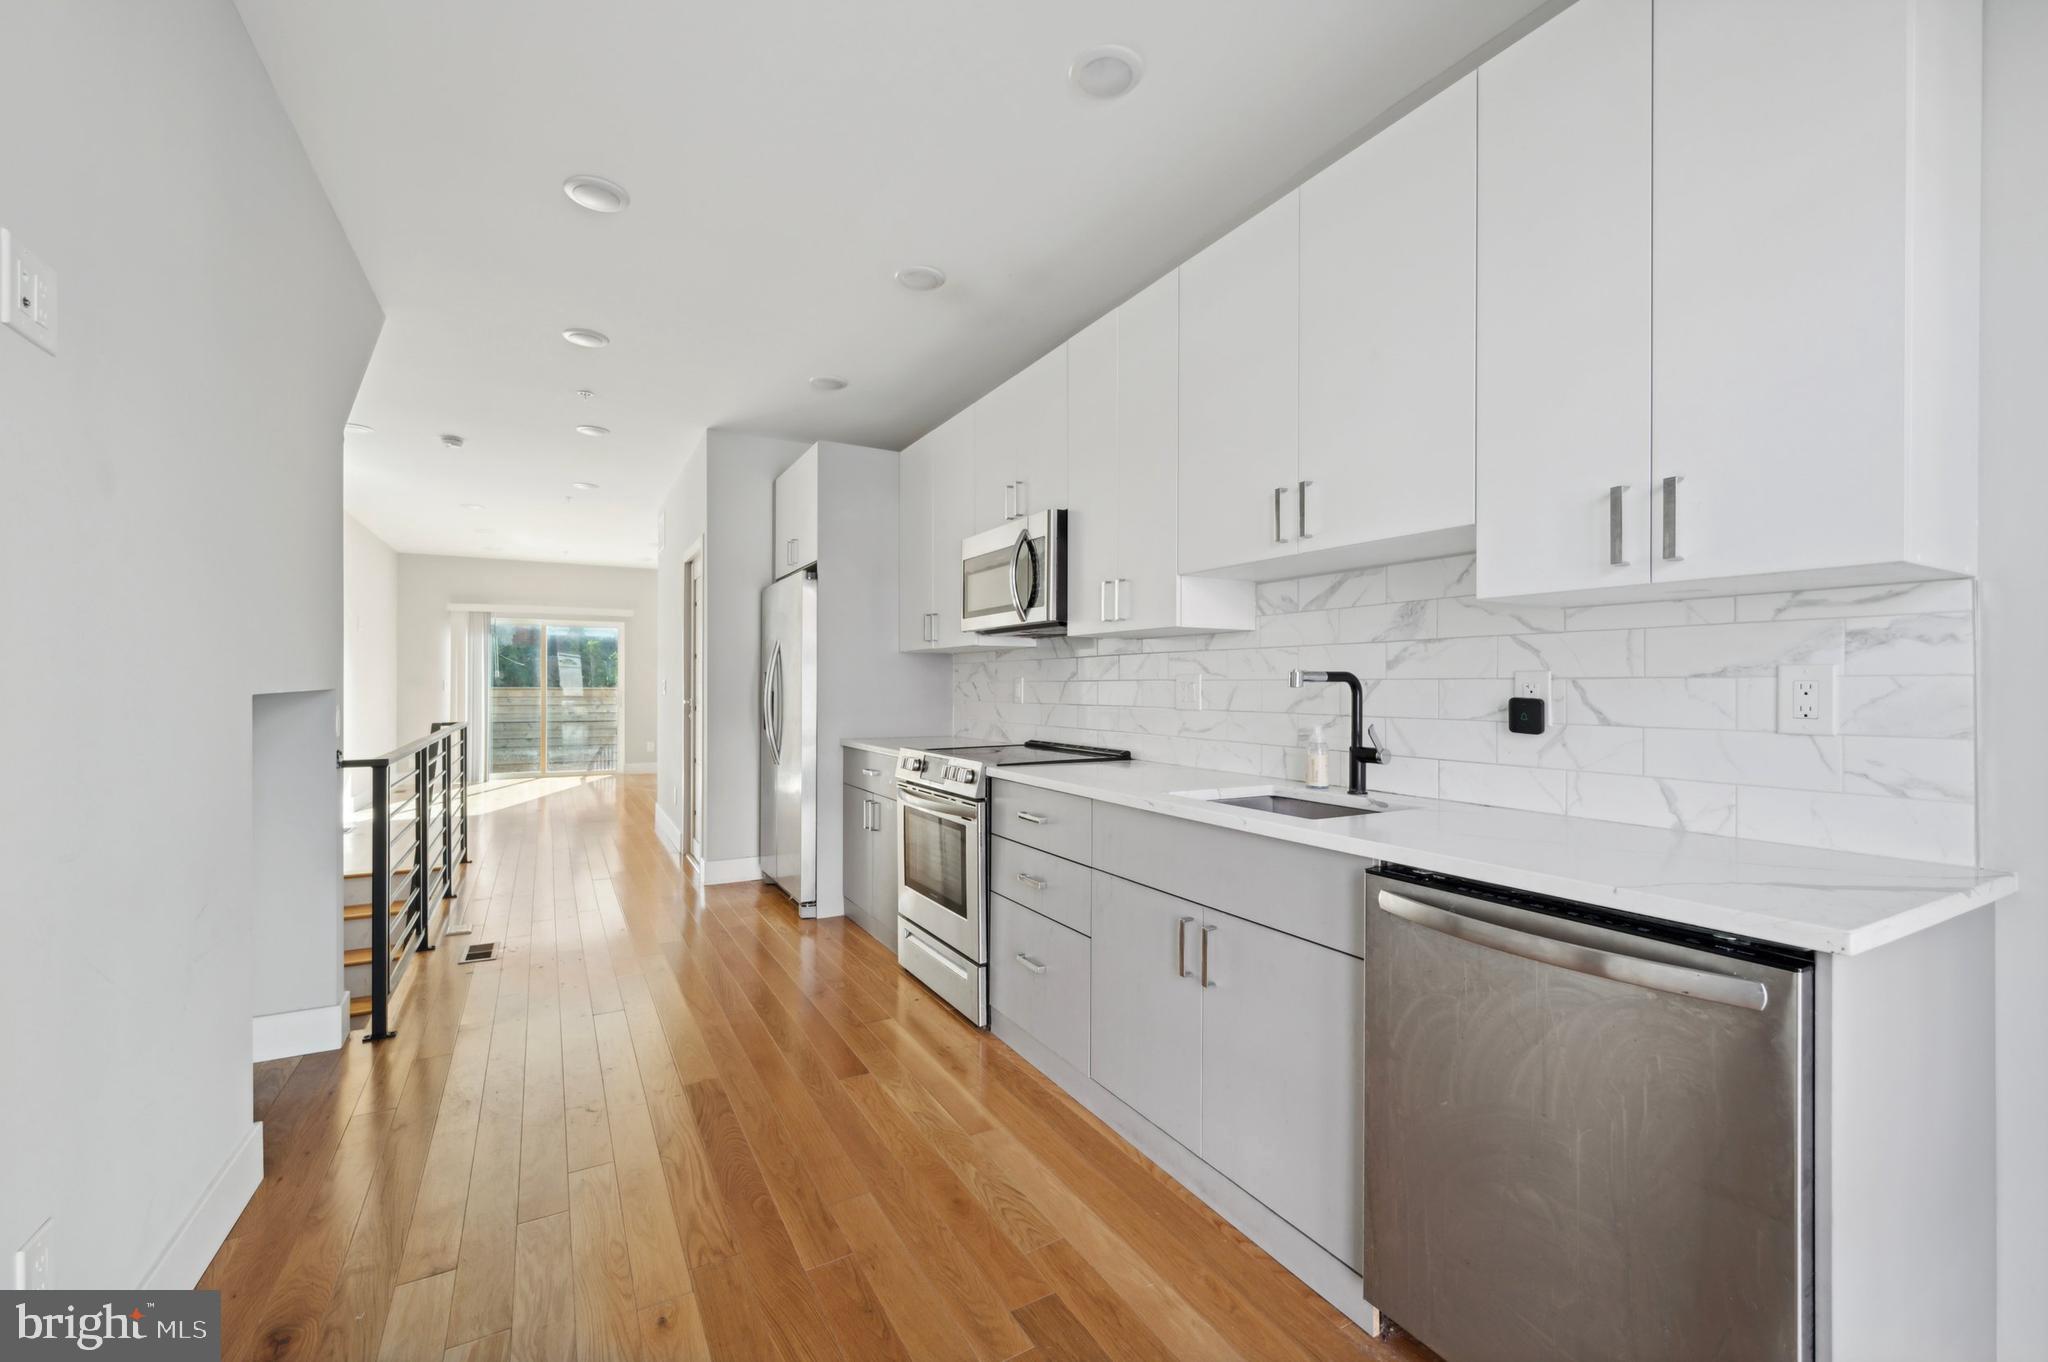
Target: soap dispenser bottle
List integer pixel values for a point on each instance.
(1317, 749)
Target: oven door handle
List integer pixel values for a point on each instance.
(966, 815)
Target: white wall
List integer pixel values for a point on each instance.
(172, 528)
(369, 648)
(428, 585)
(295, 873)
(730, 501)
(2013, 647)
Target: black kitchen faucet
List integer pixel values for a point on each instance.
(1362, 756)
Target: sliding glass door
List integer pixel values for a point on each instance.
(555, 699)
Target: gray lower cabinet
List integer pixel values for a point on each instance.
(1282, 1054)
(1145, 1015)
(868, 875)
(1038, 978)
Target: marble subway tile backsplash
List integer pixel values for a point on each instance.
(1665, 714)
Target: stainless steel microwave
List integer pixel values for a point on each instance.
(1013, 579)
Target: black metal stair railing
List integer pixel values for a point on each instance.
(422, 787)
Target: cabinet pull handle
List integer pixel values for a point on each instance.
(1020, 499)
(869, 771)
(1301, 509)
(1615, 512)
(931, 628)
(1207, 932)
(1102, 602)
(1031, 817)
(1031, 880)
(1279, 510)
(1671, 554)
(1121, 582)
(1028, 963)
(1009, 501)
(1181, 947)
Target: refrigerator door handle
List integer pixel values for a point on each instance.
(775, 704)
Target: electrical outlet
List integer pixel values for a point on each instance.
(1806, 699)
(1535, 686)
(32, 1261)
(28, 302)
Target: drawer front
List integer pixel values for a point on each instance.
(1046, 819)
(1038, 978)
(1304, 891)
(870, 771)
(1041, 881)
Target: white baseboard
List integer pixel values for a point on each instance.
(667, 832)
(281, 1035)
(639, 768)
(206, 1228)
(733, 871)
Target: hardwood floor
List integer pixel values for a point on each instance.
(666, 1125)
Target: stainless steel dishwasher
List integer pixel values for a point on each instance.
(1587, 1136)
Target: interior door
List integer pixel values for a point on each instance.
(1387, 330)
(1145, 1004)
(1240, 381)
(1564, 304)
(1282, 1052)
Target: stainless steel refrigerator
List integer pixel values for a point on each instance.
(789, 737)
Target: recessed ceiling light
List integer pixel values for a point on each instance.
(596, 193)
(921, 278)
(824, 383)
(473, 506)
(452, 441)
(585, 393)
(592, 430)
(584, 486)
(357, 428)
(1106, 72)
(588, 339)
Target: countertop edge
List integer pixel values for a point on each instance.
(1643, 902)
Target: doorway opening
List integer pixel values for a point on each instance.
(555, 697)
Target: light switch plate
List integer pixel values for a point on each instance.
(33, 1270)
(1806, 699)
(28, 303)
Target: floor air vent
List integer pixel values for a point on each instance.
(480, 952)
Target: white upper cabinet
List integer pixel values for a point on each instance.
(916, 558)
(1123, 443)
(1782, 289)
(1240, 378)
(1815, 284)
(1387, 332)
(1564, 304)
(1095, 509)
(796, 514)
(934, 507)
(1020, 445)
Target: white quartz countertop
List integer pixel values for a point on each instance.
(889, 747)
(1818, 900)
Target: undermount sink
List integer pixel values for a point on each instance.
(1295, 807)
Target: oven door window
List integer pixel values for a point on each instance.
(935, 859)
(986, 580)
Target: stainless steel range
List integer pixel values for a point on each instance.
(942, 887)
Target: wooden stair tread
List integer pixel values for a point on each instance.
(358, 956)
(359, 1007)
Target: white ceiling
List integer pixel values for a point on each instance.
(784, 158)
